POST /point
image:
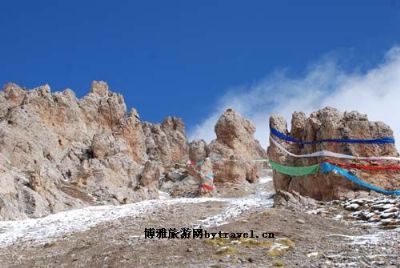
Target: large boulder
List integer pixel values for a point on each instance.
(234, 150)
(326, 124)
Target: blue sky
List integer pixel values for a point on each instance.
(184, 58)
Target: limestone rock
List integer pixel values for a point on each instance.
(58, 152)
(293, 200)
(325, 124)
(234, 149)
(130, 130)
(99, 88)
(166, 142)
(151, 174)
(104, 145)
(198, 150)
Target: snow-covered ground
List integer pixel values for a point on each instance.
(371, 239)
(57, 225)
(235, 208)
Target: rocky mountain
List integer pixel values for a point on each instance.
(326, 124)
(59, 152)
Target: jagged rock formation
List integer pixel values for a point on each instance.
(166, 142)
(235, 142)
(58, 152)
(198, 150)
(324, 124)
(229, 157)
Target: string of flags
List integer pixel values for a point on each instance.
(328, 166)
(285, 137)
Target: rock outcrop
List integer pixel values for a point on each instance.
(325, 124)
(198, 150)
(230, 158)
(166, 142)
(58, 152)
(234, 150)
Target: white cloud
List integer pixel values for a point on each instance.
(375, 92)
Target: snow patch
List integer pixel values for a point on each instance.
(265, 180)
(368, 239)
(235, 209)
(79, 220)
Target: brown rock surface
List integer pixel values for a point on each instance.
(234, 149)
(151, 174)
(166, 142)
(324, 124)
(198, 150)
(58, 152)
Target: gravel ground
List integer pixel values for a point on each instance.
(114, 236)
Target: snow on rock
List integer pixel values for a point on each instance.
(265, 180)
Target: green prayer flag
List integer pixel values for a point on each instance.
(295, 171)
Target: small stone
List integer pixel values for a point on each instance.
(391, 210)
(312, 212)
(226, 250)
(312, 254)
(352, 207)
(377, 208)
(321, 211)
(389, 222)
(369, 215)
(277, 250)
(387, 215)
(364, 215)
(357, 214)
(300, 221)
(387, 206)
(360, 201)
(338, 217)
(385, 201)
(375, 218)
(285, 242)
